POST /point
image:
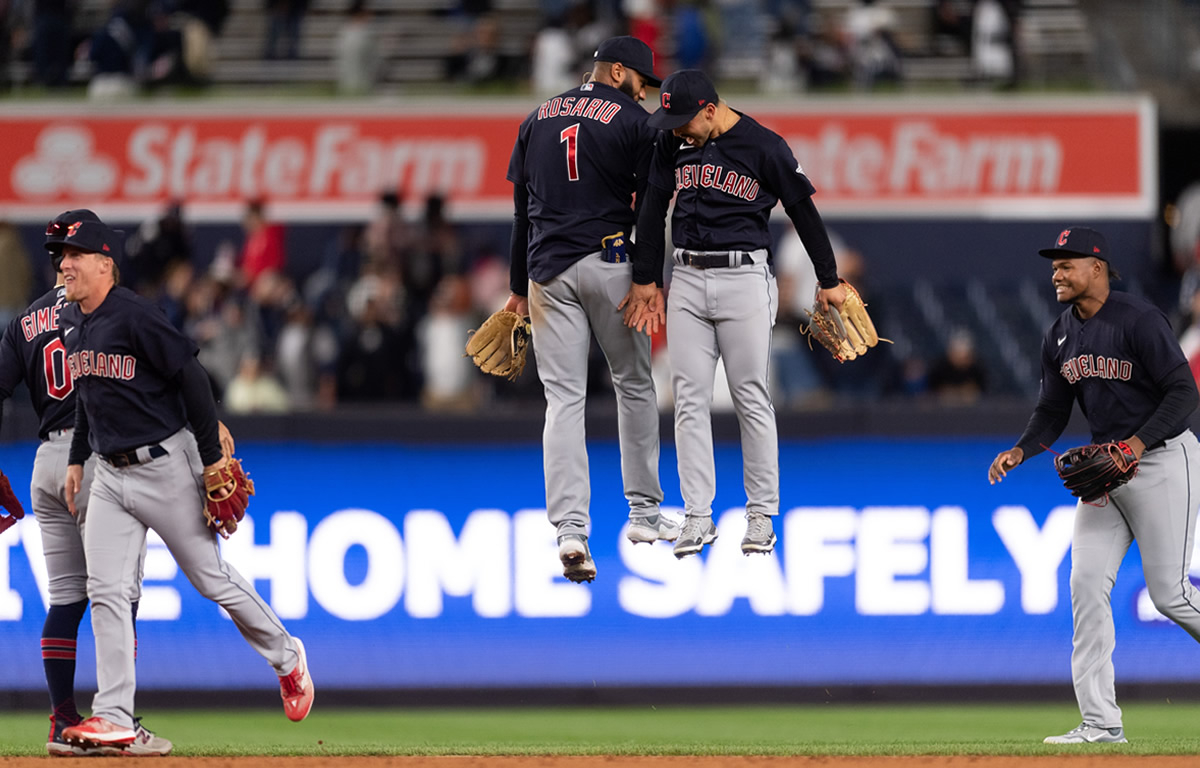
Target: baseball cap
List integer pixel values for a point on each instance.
(682, 95)
(631, 52)
(84, 230)
(1077, 242)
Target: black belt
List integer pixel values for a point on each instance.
(130, 458)
(713, 259)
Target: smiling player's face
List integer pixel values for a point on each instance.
(1074, 278)
(83, 274)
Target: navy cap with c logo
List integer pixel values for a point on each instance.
(632, 53)
(682, 96)
(1077, 242)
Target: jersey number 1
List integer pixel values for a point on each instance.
(570, 135)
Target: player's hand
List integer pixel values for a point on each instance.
(645, 308)
(518, 304)
(1003, 463)
(73, 485)
(834, 296)
(226, 438)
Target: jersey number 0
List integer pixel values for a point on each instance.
(58, 377)
(570, 135)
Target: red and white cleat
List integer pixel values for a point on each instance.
(98, 732)
(296, 688)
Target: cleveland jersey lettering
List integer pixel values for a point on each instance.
(88, 363)
(716, 177)
(125, 356)
(749, 167)
(1085, 366)
(31, 351)
(1111, 369)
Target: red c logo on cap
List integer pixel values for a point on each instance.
(666, 100)
(71, 230)
(1062, 239)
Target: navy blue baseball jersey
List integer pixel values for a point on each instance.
(1112, 364)
(123, 357)
(594, 134)
(32, 351)
(725, 190)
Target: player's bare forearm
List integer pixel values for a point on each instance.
(226, 440)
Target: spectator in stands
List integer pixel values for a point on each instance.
(226, 333)
(436, 253)
(255, 390)
(51, 41)
(1183, 217)
(823, 56)
(692, 44)
(120, 52)
(202, 25)
(449, 377)
(263, 249)
(958, 377)
(157, 244)
(356, 52)
(284, 19)
(993, 42)
(388, 237)
(16, 286)
(870, 32)
(949, 29)
(553, 59)
(368, 369)
(475, 53)
(177, 281)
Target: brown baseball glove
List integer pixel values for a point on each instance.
(846, 334)
(501, 344)
(227, 492)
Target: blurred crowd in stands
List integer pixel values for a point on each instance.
(777, 46)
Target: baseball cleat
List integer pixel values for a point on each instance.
(650, 529)
(296, 687)
(578, 565)
(760, 535)
(1086, 733)
(56, 746)
(97, 732)
(697, 531)
(146, 744)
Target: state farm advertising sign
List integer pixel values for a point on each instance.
(1010, 159)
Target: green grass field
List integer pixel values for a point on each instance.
(1014, 729)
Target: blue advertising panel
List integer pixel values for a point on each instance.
(897, 563)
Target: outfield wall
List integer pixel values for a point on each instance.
(898, 564)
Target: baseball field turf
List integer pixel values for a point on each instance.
(1012, 729)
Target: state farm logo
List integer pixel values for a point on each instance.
(64, 161)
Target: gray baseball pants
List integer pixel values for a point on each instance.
(1158, 508)
(565, 312)
(164, 494)
(724, 313)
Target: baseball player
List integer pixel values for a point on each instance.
(31, 351)
(1116, 354)
(726, 173)
(139, 387)
(579, 159)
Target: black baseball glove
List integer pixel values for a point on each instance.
(1091, 472)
